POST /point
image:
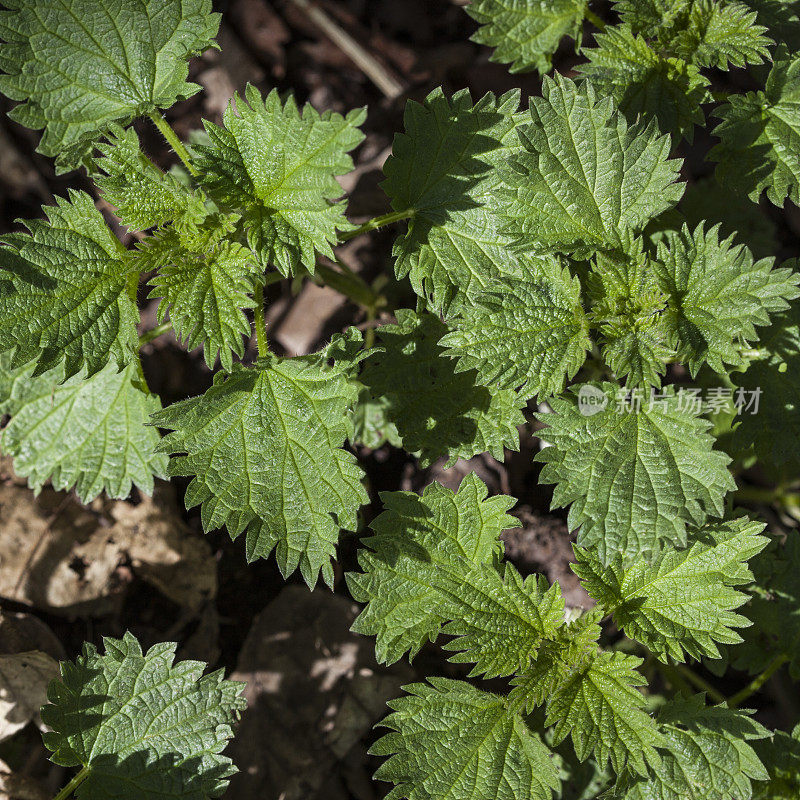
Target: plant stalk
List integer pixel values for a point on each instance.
(699, 682)
(154, 333)
(261, 323)
(598, 22)
(177, 145)
(759, 680)
(73, 784)
(778, 496)
(350, 285)
(377, 222)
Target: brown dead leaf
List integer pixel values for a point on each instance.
(58, 555)
(24, 678)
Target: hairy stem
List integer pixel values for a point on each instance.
(598, 22)
(377, 222)
(154, 333)
(261, 323)
(699, 683)
(759, 680)
(177, 145)
(73, 784)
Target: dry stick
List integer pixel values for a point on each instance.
(369, 65)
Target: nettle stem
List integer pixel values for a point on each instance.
(598, 22)
(68, 790)
(177, 145)
(260, 323)
(699, 683)
(759, 680)
(377, 222)
(154, 333)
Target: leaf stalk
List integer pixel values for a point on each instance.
(68, 790)
(260, 323)
(166, 130)
(759, 680)
(375, 223)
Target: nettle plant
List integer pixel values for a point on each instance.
(547, 246)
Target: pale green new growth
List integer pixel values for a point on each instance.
(90, 434)
(437, 410)
(79, 66)
(142, 194)
(760, 133)
(414, 538)
(683, 601)
(66, 291)
(586, 178)
(276, 165)
(722, 36)
(263, 447)
(627, 308)
(591, 696)
(444, 169)
(706, 755)
(205, 281)
(526, 33)
(451, 740)
(143, 727)
(717, 295)
(647, 83)
(635, 475)
(529, 333)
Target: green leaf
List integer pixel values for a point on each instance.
(144, 727)
(92, 434)
(774, 611)
(591, 696)
(438, 411)
(722, 36)
(781, 757)
(774, 380)
(532, 334)
(683, 601)
(444, 168)
(276, 165)
(264, 448)
(653, 18)
(646, 83)
(627, 307)
(77, 68)
(780, 17)
(430, 569)
(706, 757)
(451, 740)
(717, 295)
(636, 469)
(65, 291)
(204, 281)
(499, 622)
(760, 133)
(142, 194)
(526, 33)
(585, 178)
(707, 199)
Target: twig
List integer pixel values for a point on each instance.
(370, 66)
